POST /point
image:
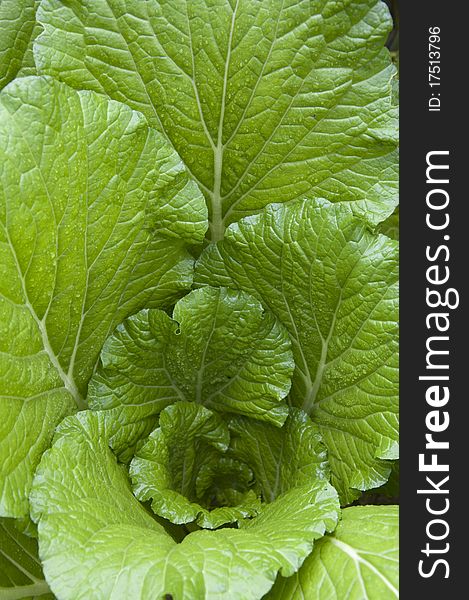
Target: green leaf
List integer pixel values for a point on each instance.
(221, 349)
(179, 464)
(391, 488)
(20, 569)
(96, 212)
(360, 561)
(183, 459)
(281, 458)
(390, 226)
(263, 100)
(333, 284)
(18, 29)
(97, 541)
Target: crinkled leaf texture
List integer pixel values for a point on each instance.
(20, 569)
(188, 458)
(96, 212)
(181, 467)
(333, 284)
(97, 541)
(220, 349)
(17, 30)
(280, 458)
(359, 561)
(263, 100)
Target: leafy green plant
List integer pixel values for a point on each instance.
(264, 101)
(357, 561)
(21, 572)
(198, 301)
(18, 29)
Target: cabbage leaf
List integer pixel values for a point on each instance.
(96, 214)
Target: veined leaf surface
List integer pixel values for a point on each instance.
(18, 30)
(221, 349)
(96, 212)
(333, 284)
(359, 561)
(104, 544)
(21, 574)
(181, 465)
(264, 101)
